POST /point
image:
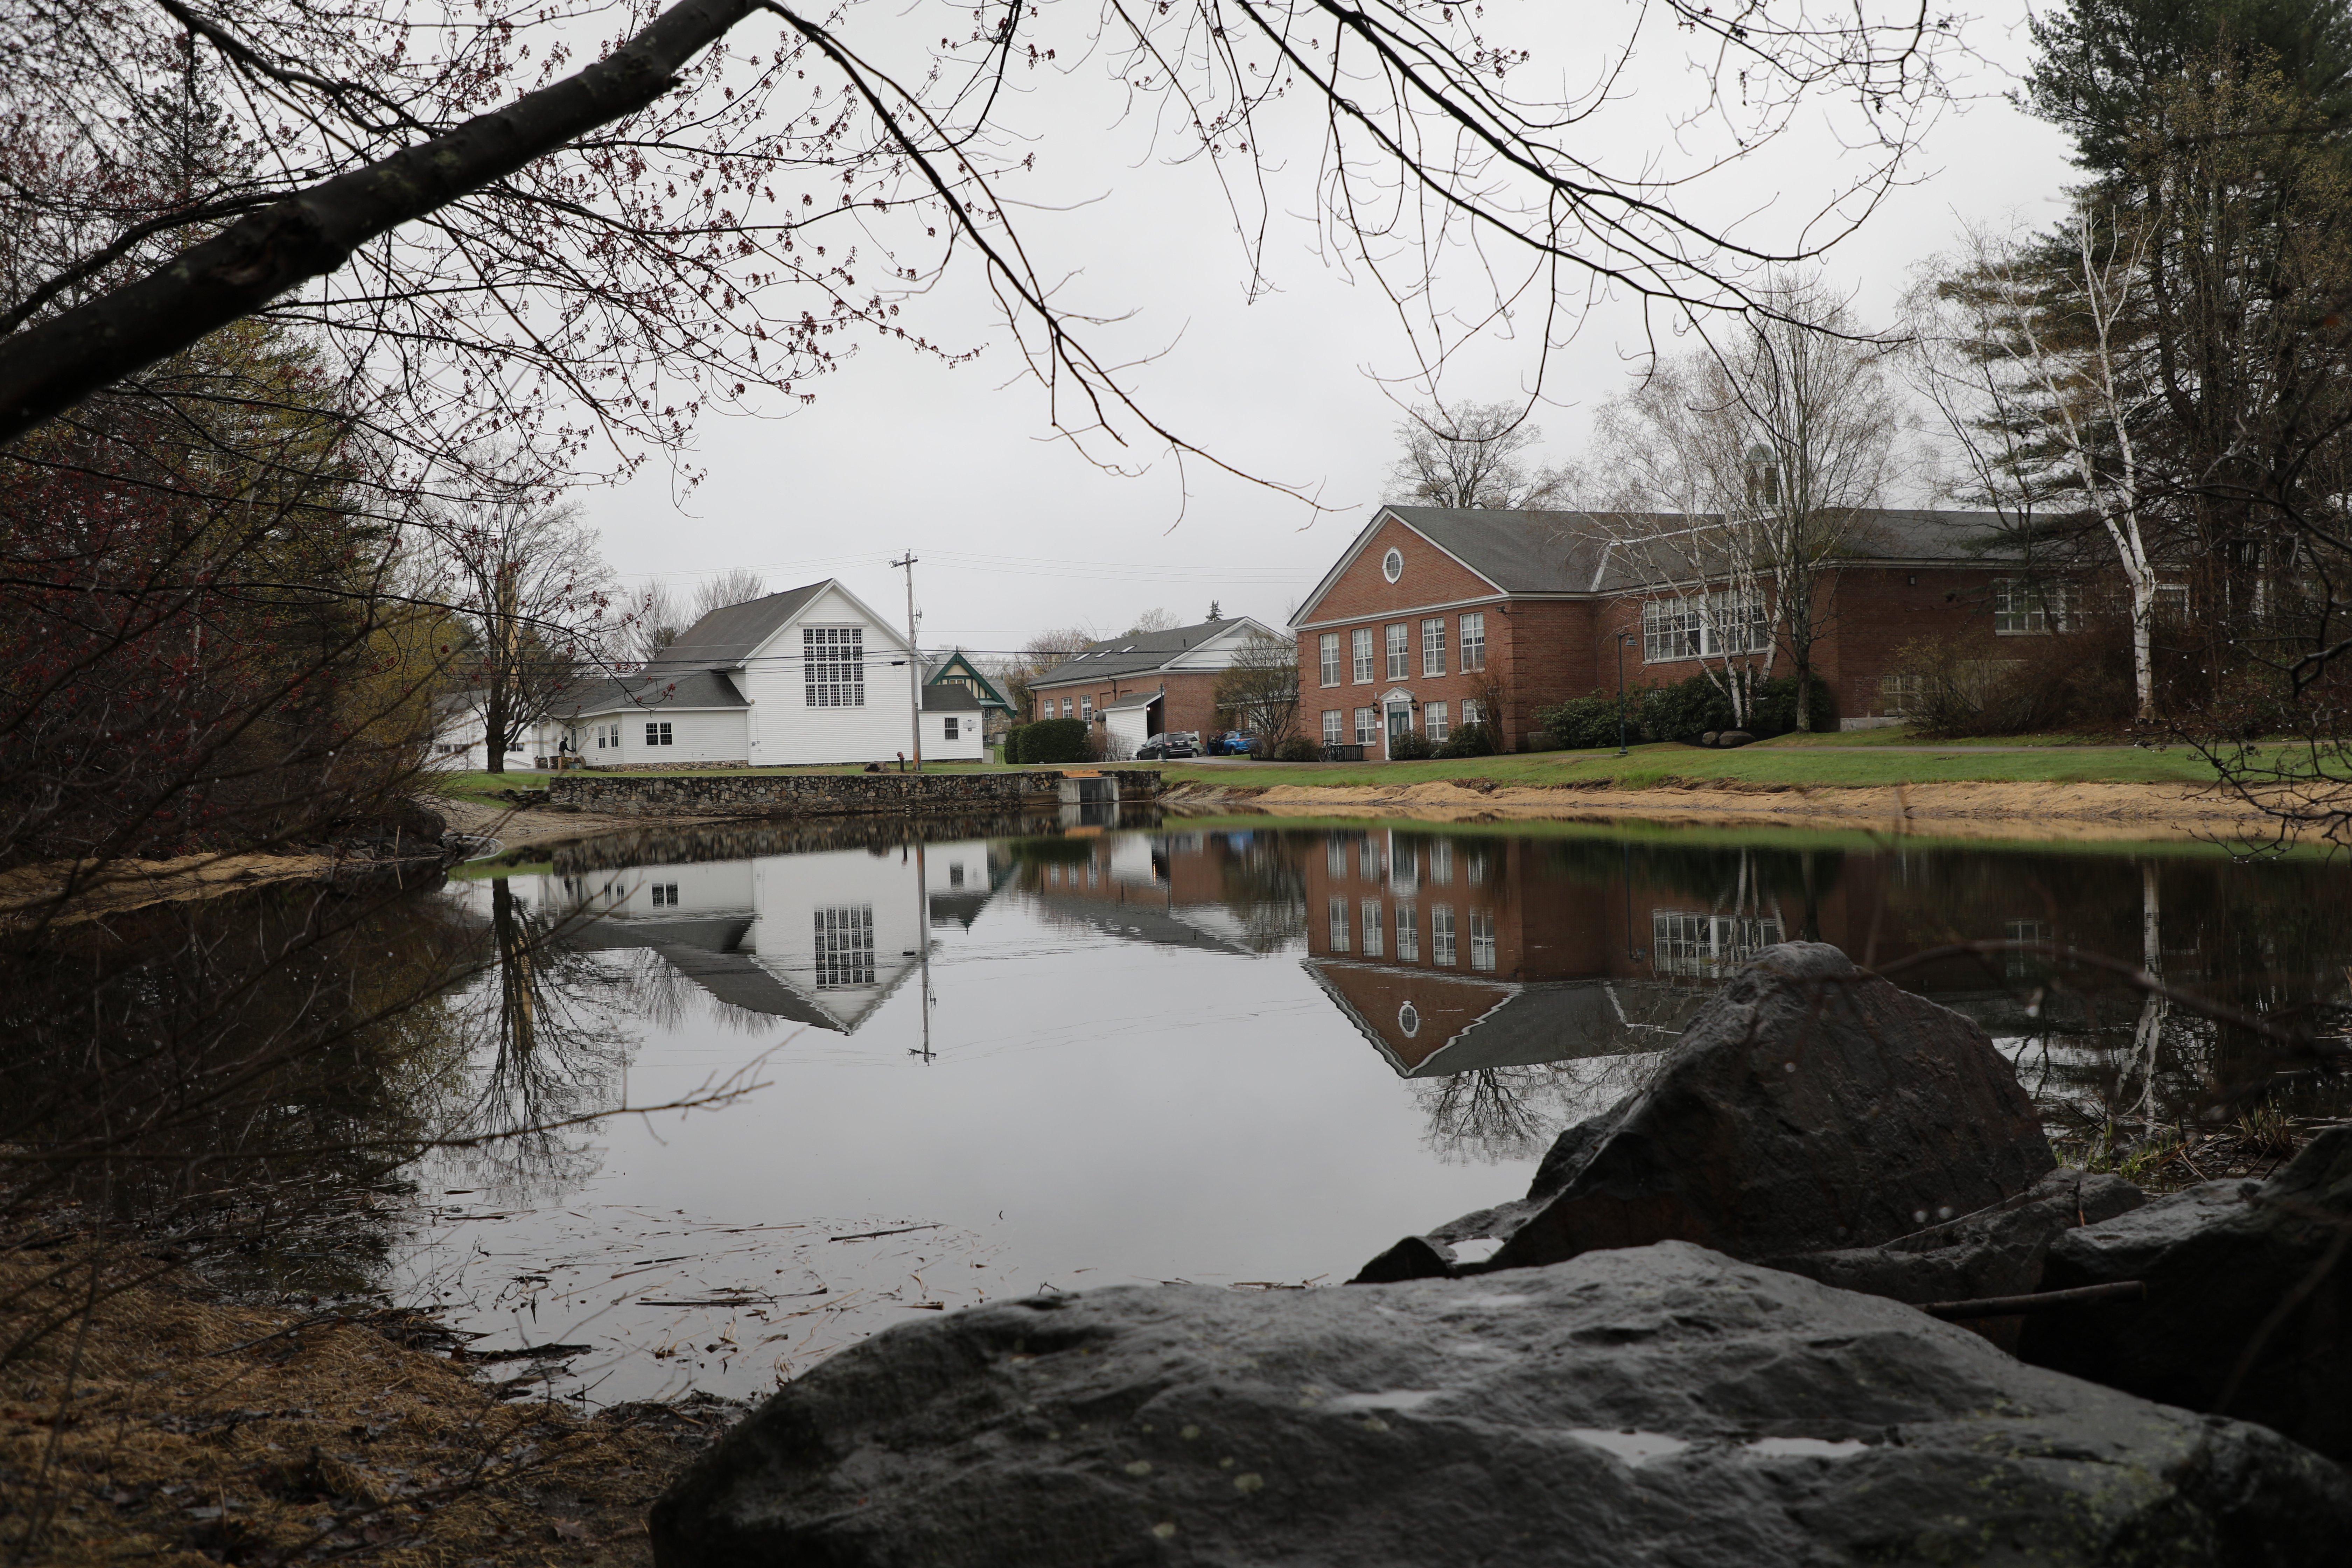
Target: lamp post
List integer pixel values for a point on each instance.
(1623, 638)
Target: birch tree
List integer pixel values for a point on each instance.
(2032, 354)
(1756, 462)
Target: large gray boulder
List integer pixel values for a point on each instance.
(2231, 1269)
(1998, 1252)
(1660, 1405)
(1808, 1106)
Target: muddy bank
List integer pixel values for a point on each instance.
(2058, 811)
(183, 1430)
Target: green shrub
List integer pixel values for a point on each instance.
(1411, 747)
(1587, 723)
(1012, 745)
(1298, 748)
(1469, 740)
(1775, 712)
(1684, 710)
(1051, 740)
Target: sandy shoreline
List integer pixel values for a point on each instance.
(2076, 812)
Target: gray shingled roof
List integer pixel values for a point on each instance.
(725, 638)
(1133, 654)
(665, 686)
(1565, 551)
(1133, 700)
(951, 700)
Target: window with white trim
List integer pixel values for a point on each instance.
(1473, 642)
(2171, 605)
(1440, 934)
(1374, 929)
(845, 946)
(953, 730)
(1701, 946)
(657, 734)
(664, 895)
(1330, 644)
(1367, 726)
(832, 665)
(1086, 709)
(2024, 608)
(1432, 646)
(1399, 637)
(1472, 714)
(1482, 939)
(1339, 925)
(1703, 625)
(1432, 720)
(1441, 862)
(1359, 649)
(1393, 564)
(1407, 942)
(1335, 855)
(1334, 731)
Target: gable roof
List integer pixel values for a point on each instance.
(951, 699)
(1142, 652)
(1570, 551)
(655, 688)
(725, 637)
(954, 665)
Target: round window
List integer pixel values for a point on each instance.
(1392, 565)
(1409, 1020)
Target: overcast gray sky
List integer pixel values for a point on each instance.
(1016, 532)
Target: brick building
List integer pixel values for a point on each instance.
(1146, 683)
(1435, 617)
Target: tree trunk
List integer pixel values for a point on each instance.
(47, 368)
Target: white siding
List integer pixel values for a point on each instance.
(785, 730)
(966, 747)
(789, 892)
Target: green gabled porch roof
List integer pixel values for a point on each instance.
(955, 664)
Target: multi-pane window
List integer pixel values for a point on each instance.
(1473, 640)
(845, 946)
(1330, 644)
(2020, 965)
(1400, 651)
(1367, 726)
(1474, 866)
(1335, 855)
(1339, 925)
(657, 734)
(1432, 646)
(1704, 624)
(1373, 928)
(953, 729)
(1441, 863)
(1472, 714)
(1408, 935)
(1440, 933)
(833, 661)
(1404, 867)
(2171, 606)
(1703, 945)
(1360, 652)
(1432, 720)
(1482, 939)
(2027, 607)
(1086, 709)
(1334, 726)
(1367, 859)
(664, 895)
(1901, 694)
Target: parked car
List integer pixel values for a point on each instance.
(1231, 744)
(1168, 747)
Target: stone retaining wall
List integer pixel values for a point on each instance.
(837, 794)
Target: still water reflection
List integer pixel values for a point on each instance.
(1051, 1056)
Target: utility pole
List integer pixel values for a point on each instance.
(914, 656)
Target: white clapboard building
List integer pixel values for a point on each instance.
(808, 675)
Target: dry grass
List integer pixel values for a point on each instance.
(170, 1429)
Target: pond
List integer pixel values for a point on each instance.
(949, 1062)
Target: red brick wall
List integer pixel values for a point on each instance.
(1534, 646)
(1190, 703)
(1863, 616)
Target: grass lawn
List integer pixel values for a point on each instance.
(1651, 765)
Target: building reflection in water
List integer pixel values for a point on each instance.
(822, 938)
